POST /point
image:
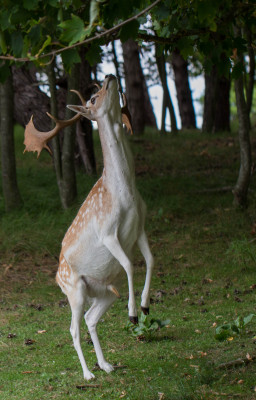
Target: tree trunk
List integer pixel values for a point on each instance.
(241, 188)
(209, 101)
(222, 107)
(11, 192)
(187, 113)
(250, 84)
(29, 99)
(167, 101)
(116, 64)
(186, 108)
(216, 103)
(136, 90)
(84, 131)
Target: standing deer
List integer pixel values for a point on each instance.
(100, 242)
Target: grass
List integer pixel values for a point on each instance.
(205, 252)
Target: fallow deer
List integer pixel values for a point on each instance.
(99, 245)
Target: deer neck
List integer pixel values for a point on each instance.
(118, 171)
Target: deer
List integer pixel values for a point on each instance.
(98, 248)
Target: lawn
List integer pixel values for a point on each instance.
(204, 277)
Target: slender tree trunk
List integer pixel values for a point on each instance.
(116, 64)
(64, 162)
(241, 188)
(84, 131)
(222, 106)
(209, 101)
(69, 190)
(167, 101)
(251, 80)
(216, 103)
(136, 90)
(11, 192)
(186, 108)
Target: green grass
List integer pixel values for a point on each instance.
(205, 252)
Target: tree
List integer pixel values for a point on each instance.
(136, 89)
(9, 179)
(167, 101)
(186, 108)
(216, 116)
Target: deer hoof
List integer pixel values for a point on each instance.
(145, 310)
(134, 320)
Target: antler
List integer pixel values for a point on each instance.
(36, 140)
(126, 116)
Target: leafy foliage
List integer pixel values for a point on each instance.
(237, 327)
(146, 326)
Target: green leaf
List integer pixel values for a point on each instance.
(46, 43)
(30, 4)
(3, 45)
(69, 58)
(129, 31)
(73, 30)
(248, 319)
(93, 55)
(94, 11)
(5, 72)
(17, 43)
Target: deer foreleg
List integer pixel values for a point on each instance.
(113, 245)
(145, 250)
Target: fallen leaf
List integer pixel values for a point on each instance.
(123, 394)
(27, 372)
(203, 354)
(197, 331)
(40, 332)
(240, 382)
(28, 342)
(11, 335)
(214, 324)
(248, 357)
(190, 357)
(161, 396)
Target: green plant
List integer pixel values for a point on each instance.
(146, 326)
(227, 331)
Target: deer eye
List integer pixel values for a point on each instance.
(93, 99)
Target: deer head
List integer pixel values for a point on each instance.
(103, 101)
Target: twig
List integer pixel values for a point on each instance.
(236, 363)
(86, 41)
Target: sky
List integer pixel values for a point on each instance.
(156, 92)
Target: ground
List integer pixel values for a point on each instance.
(204, 277)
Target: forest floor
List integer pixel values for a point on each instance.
(204, 278)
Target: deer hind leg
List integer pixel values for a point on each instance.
(76, 298)
(145, 250)
(113, 245)
(92, 317)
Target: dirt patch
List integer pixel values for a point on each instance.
(25, 272)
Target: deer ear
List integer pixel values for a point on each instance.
(126, 115)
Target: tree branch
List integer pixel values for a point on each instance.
(86, 41)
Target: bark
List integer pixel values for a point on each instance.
(69, 190)
(242, 185)
(216, 103)
(209, 101)
(251, 79)
(167, 101)
(11, 192)
(222, 106)
(29, 99)
(84, 132)
(116, 64)
(136, 90)
(187, 113)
